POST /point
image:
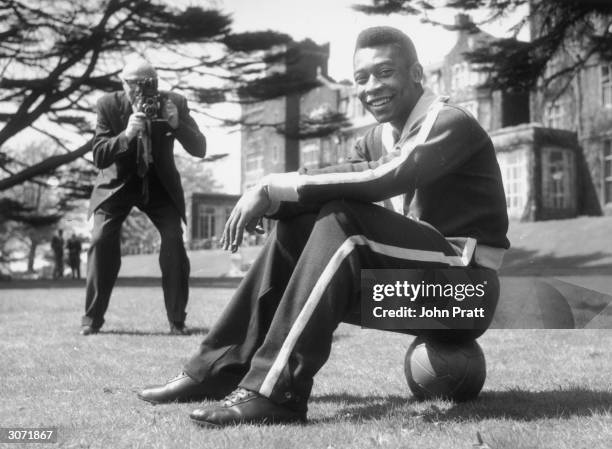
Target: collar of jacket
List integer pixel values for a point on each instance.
(428, 98)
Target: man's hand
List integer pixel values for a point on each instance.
(250, 208)
(170, 113)
(136, 124)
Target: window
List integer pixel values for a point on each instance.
(254, 162)
(275, 153)
(555, 115)
(513, 166)
(310, 155)
(327, 150)
(463, 75)
(557, 178)
(205, 222)
(606, 85)
(343, 105)
(607, 171)
(459, 77)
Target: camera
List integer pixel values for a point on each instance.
(147, 97)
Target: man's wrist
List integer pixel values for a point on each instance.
(272, 204)
(124, 141)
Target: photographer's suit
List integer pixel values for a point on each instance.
(118, 188)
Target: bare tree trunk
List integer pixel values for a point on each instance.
(32, 254)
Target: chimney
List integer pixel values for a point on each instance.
(463, 20)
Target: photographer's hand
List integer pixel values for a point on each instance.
(170, 113)
(136, 124)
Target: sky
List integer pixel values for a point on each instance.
(331, 21)
(325, 21)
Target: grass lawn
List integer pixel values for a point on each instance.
(544, 389)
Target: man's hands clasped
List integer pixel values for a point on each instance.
(246, 215)
(137, 123)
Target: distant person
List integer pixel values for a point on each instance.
(57, 245)
(436, 169)
(133, 148)
(74, 256)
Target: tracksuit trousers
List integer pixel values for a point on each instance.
(276, 332)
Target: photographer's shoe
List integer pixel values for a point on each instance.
(89, 330)
(182, 388)
(178, 329)
(244, 406)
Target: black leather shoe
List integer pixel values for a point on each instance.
(178, 329)
(180, 389)
(89, 330)
(244, 406)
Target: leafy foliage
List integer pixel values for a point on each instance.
(556, 27)
(56, 58)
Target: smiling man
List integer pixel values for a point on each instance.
(435, 170)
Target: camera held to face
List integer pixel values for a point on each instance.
(147, 98)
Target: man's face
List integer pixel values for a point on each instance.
(387, 84)
(130, 87)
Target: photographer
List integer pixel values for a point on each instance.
(133, 148)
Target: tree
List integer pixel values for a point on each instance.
(56, 57)
(514, 65)
(32, 210)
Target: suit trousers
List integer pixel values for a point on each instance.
(276, 332)
(104, 255)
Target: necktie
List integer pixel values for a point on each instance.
(144, 154)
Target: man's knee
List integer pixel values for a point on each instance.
(101, 236)
(338, 206)
(341, 215)
(172, 236)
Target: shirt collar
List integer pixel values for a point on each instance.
(420, 109)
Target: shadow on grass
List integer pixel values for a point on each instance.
(522, 405)
(141, 281)
(518, 405)
(526, 262)
(359, 408)
(192, 331)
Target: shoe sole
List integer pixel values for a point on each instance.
(150, 401)
(212, 425)
(177, 401)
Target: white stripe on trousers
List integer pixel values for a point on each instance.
(324, 279)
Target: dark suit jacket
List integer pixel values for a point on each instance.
(116, 157)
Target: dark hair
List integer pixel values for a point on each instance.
(385, 35)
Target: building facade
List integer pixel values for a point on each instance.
(270, 140)
(206, 217)
(539, 171)
(463, 82)
(581, 101)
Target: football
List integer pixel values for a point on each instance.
(445, 370)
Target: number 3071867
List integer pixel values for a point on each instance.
(28, 434)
